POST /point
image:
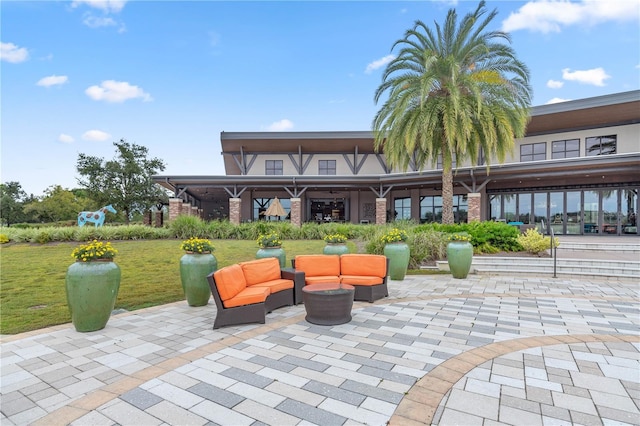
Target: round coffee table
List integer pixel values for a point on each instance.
(328, 304)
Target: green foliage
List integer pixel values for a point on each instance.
(57, 204)
(486, 237)
(272, 239)
(95, 250)
(534, 242)
(423, 246)
(335, 238)
(450, 92)
(187, 226)
(197, 245)
(125, 182)
(12, 199)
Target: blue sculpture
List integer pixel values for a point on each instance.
(96, 217)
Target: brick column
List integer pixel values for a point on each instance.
(234, 210)
(186, 209)
(146, 218)
(175, 208)
(296, 212)
(159, 219)
(381, 211)
(194, 211)
(474, 201)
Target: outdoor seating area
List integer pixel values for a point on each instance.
(367, 273)
(245, 292)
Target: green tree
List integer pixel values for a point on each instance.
(452, 93)
(57, 204)
(124, 182)
(12, 197)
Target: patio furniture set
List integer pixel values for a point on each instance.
(327, 285)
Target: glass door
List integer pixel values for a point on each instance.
(557, 217)
(574, 216)
(610, 212)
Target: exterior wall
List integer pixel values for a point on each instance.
(627, 140)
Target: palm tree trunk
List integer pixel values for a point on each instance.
(447, 195)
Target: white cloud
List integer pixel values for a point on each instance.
(594, 76)
(556, 100)
(66, 138)
(551, 15)
(116, 91)
(11, 53)
(113, 6)
(280, 126)
(553, 84)
(92, 21)
(52, 80)
(96, 136)
(379, 63)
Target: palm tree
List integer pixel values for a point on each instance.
(454, 93)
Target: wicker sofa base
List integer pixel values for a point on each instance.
(370, 293)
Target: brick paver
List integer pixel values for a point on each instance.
(483, 350)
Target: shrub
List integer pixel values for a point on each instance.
(4, 239)
(188, 226)
(271, 239)
(534, 242)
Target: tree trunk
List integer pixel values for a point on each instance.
(447, 195)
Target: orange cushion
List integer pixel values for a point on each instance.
(364, 265)
(277, 285)
(318, 264)
(322, 279)
(360, 280)
(261, 270)
(248, 296)
(229, 281)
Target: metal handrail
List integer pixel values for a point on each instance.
(553, 247)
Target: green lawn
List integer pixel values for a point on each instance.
(32, 277)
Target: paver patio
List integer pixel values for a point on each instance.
(483, 350)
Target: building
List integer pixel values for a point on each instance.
(576, 170)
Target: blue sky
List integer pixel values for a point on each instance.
(78, 75)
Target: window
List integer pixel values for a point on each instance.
(533, 152)
(402, 208)
(565, 149)
(601, 145)
(326, 167)
(273, 167)
(430, 209)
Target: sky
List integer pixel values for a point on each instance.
(77, 76)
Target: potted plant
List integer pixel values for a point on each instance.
(459, 254)
(397, 250)
(92, 285)
(195, 265)
(271, 246)
(336, 244)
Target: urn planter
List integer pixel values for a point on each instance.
(194, 268)
(335, 248)
(459, 257)
(278, 252)
(92, 288)
(398, 254)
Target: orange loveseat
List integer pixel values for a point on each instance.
(367, 273)
(246, 291)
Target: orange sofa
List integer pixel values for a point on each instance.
(246, 291)
(367, 273)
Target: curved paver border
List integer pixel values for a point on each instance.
(421, 402)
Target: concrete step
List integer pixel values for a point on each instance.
(623, 247)
(542, 266)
